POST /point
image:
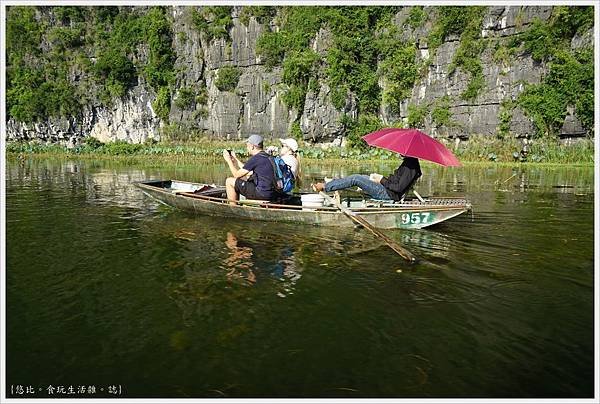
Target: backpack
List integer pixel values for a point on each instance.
(283, 180)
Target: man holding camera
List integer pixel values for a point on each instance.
(255, 178)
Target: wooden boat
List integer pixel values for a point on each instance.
(211, 200)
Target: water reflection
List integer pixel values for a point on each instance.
(288, 271)
(239, 263)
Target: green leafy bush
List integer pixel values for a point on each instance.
(227, 78)
(202, 95)
(356, 129)
(416, 17)
(36, 94)
(294, 97)
(37, 86)
(502, 53)
(263, 14)
(440, 115)
(70, 14)
(450, 20)
(23, 33)
(401, 73)
(570, 80)
(162, 103)
(504, 119)
(416, 115)
(201, 113)
(339, 96)
(298, 26)
(65, 37)
(213, 21)
(538, 40)
(117, 72)
(93, 143)
(113, 34)
(350, 61)
(271, 46)
(467, 56)
(186, 98)
(543, 39)
(298, 67)
(297, 71)
(159, 37)
(121, 147)
(295, 131)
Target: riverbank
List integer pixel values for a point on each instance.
(476, 151)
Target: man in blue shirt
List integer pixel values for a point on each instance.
(254, 179)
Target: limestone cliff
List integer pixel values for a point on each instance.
(256, 103)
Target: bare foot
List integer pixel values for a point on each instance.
(318, 187)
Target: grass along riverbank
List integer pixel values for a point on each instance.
(476, 150)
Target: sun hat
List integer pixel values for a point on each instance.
(255, 140)
(291, 143)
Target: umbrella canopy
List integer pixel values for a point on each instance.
(413, 143)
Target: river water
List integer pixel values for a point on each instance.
(111, 294)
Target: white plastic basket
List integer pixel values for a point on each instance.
(312, 201)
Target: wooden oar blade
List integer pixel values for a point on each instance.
(403, 252)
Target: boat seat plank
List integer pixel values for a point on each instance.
(253, 201)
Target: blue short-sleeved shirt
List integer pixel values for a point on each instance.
(263, 173)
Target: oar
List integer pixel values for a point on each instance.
(403, 252)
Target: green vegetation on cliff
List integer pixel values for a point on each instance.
(90, 54)
(570, 81)
(213, 21)
(350, 64)
(465, 22)
(37, 90)
(63, 59)
(227, 78)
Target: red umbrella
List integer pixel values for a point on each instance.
(413, 143)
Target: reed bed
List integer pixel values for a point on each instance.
(476, 150)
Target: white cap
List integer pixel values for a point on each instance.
(291, 143)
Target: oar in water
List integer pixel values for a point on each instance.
(403, 252)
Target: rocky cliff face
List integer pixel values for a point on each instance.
(256, 106)
(503, 82)
(129, 119)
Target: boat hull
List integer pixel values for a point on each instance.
(413, 215)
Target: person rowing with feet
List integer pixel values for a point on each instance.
(377, 186)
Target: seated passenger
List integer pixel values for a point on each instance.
(289, 154)
(255, 178)
(376, 185)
